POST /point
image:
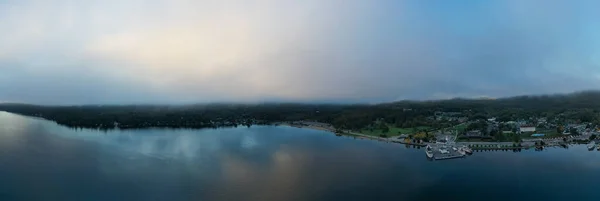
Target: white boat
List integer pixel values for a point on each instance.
(467, 150)
(454, 148)
(444, 151)
(591, 145)
(429, 151)
(461, 151)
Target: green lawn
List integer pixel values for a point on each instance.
(394, 131)
(461, 127)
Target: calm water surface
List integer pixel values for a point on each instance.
(40, 160)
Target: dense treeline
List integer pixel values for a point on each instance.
(582, 106)
(195, 116)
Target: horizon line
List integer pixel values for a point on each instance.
(481, 98)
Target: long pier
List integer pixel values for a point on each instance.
(447, 156)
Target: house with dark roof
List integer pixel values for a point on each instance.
(474, 133)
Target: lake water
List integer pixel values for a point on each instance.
(40, 160)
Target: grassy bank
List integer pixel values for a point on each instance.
(460, 128)
(394, 131)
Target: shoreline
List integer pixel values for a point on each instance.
(352, 134)
(473, 145)
(529, 143)
(307, 127)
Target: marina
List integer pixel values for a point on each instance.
(444, 151)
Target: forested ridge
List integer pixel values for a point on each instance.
(580, 106)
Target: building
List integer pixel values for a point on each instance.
(526, 128)
(475, 133)
(542, 120)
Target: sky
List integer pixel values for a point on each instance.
(346, 51)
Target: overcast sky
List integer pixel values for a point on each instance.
(183, 51)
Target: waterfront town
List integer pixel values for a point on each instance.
(467, 136)
(445, 128)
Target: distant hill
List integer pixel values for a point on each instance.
(579, 106)
(584, 99)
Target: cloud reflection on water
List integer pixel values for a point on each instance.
(267, 163)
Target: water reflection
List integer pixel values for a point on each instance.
(42, 161)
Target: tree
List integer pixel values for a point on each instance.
(592, 137)
(385, 129)
(516, 138)
(560, 129)
(499, 136)
(574, 131)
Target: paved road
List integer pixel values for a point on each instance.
(369, 136)
(394, 139)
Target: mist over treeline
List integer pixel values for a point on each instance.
(583, 106)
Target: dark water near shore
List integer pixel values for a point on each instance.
(40, 160)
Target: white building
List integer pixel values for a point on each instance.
(526, 128)
(542, 120)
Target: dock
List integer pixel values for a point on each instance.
(438, 155)
(447, 156)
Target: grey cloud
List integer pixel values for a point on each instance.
(71, 86)
(354, 52)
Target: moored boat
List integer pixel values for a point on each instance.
(591, 145)
(429, 151)
(467, 150)
(444, 151)
(462, 151)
